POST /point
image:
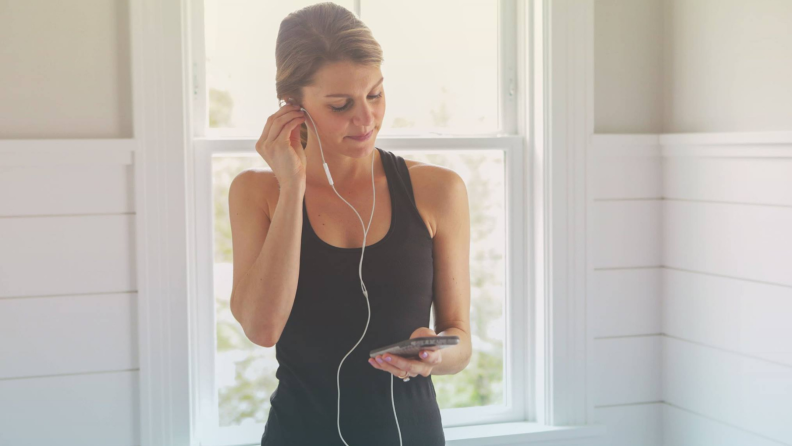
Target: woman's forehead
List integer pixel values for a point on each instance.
(341, 80)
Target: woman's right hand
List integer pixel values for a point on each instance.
(280, 146)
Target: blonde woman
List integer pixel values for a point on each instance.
(299, 260)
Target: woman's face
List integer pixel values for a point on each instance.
(346, 100)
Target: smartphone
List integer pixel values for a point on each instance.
(411, 347)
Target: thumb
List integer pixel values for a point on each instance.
(422, 332)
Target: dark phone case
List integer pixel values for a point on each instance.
(411, 347)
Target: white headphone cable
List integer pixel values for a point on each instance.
(360, 274)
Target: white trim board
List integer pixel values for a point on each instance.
(243, 146)
(533, 434)
(163, 219)
(561, 122)
(48, 152)
(607, 140)
(719, 138)
(710, 145)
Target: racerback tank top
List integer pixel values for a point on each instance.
(327, 319)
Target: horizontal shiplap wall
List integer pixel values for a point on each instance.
(624, 287)
(727, 296)
(68, 301)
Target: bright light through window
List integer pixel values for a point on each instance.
(441, 76)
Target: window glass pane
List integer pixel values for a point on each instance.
(246, 372)
(441, 64)
(481, 383)
(239, 37)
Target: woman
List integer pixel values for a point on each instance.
(297, 250)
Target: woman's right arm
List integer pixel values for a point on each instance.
(266, 253)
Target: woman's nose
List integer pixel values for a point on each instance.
(364, 116)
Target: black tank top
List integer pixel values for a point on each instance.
(328, 318)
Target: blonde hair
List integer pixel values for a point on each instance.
(315, 36)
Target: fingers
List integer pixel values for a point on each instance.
(284, 124)
(398, 365)
(422, 331)
(432, 356)
(276, 122)
(384, 366)
(271, 120)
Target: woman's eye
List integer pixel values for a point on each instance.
(346, 106)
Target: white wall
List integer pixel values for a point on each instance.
(722, 302)
(68, 318)
(675, 66)
(727, 65)
(66, 69)
(628, 57)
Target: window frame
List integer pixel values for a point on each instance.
(552, 97)
(506, 140)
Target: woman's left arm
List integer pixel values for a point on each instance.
(446, 195)
(451, 269)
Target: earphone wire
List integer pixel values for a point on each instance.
(363, 285)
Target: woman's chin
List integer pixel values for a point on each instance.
(362, 150)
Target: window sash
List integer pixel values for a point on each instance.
(517, 295)
(508, 71)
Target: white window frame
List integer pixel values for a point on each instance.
(546, 107)
(507, 141)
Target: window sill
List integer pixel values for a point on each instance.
(525, 433)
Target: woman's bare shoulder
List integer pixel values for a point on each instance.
(430, 187)
(260, 187)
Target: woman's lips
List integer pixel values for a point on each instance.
(364, 137)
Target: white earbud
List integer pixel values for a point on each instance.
(360, 274)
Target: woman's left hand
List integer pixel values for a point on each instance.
(398, 365)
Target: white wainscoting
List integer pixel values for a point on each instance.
(727, 295)
(83, 409)
(684, 428)
(57, 190)
(743, 241)
(624, 286)
(625, 302)
(748, 393)
(719, 301)
(632, 424)
(68, 298)
(742, 316)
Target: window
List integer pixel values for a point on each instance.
(451, 102)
